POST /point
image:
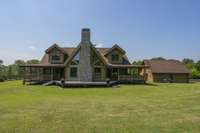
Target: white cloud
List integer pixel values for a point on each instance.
(32, 47)
(99, 45)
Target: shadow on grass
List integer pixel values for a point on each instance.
(118, 85)
(151, 84)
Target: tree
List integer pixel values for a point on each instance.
(12, 71)
(187, 61)
(19, 73)
(190, 64)
(19, 62)
(158, 58)
(198, 66)
(195, 74)
(193, 67)
(1, 62)
(32, 61)
(1, 71)
(139, 62)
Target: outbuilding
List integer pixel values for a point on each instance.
(167, 71)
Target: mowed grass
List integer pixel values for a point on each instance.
(157, 108)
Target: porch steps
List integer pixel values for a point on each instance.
(52, 83)
(88, 84)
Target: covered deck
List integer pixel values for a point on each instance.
(42, 73)
(128, 73)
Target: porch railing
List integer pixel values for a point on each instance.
(130, 77)
(28, 77)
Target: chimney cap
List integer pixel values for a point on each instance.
(85, 29)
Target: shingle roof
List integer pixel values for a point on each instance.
(102, 52)
(166, 66)
(69, 51)
(43, 65)
(44, 59)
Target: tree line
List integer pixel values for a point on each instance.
(13, 71)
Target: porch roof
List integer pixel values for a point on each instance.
(43, 65)
(127, 66)
(110, 65)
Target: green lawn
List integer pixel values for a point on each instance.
(158, 108)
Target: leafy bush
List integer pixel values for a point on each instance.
(2, 78)
(195, 74)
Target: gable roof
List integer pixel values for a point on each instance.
(115, 47)
(75, 51)
(103, 51)
(166, 66)
(68, 50)
(71, 52)
(100, 54)
(53, 47)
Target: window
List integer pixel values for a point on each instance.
(115, 71)
(97, 70)
(76, 59)
(47, 71)
(115, 57)
(73, 63)
(73, 72)
(55, 58)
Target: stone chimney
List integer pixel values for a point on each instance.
(85, 35)
(85, 69)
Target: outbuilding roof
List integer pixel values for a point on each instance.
(166, 66)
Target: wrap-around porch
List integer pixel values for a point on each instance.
(120, 73)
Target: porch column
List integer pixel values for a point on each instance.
(24, 76)
(42, 74)
(118, 74)
(111, 74)
(144, 75)
(38, 73)
(51, 73)
(132, 75)
(30, 74)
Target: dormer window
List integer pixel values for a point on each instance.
(56, 56)
(55, 59)
(115, 57)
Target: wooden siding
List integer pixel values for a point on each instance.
(57, 53)
(109, 57)
(173, 78)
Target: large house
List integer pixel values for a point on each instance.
(84, 63)
(170, 71)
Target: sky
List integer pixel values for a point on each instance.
(144, 28)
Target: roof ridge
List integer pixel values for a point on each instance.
(68, 47)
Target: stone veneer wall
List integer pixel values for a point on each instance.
(85, 68)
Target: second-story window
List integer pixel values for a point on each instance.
(115, 57)
(55, 59)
